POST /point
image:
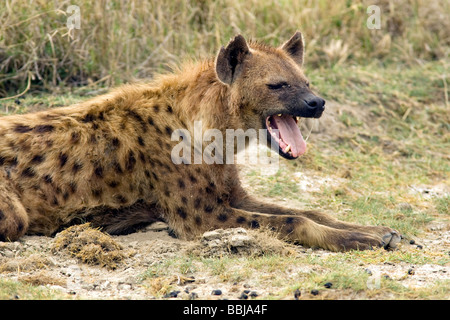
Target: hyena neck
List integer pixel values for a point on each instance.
(206, 99)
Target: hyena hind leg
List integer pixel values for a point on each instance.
(13, 216)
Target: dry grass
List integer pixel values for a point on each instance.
(120, 40)
(90, 246)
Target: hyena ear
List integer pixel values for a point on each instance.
(294, 47)
(229, 61)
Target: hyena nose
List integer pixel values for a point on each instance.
(316, 103)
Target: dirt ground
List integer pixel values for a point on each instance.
(39, 261)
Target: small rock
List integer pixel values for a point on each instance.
(411, 271)
(412, 242)
(253, 294)
(297, 294)
(217, 292)
(328, 285)
(172, 294)
(419, 246)
(243, 296)
(314, 292)
(193, 296)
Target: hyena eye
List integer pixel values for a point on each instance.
(279, 85)
(307, 84)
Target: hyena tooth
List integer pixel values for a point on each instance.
(287, 149)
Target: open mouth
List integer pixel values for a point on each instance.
(284, 130)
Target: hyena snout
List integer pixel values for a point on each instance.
(315, 105)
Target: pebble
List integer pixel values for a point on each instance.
(243, 296)
(411, 271)
(412, 242)
(314, 292)
(328, 285)
(193, 296)
(253, 294)
(217, 292)
(297, 294)
(172, 294)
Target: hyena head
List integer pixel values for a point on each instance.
(269, 90)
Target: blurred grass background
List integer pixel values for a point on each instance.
(122, 40)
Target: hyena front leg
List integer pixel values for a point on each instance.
(13, 217)
(389, 237)
(298, 229)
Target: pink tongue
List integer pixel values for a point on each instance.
(290, 134)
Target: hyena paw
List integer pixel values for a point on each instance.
(391, 239)
(366, 241)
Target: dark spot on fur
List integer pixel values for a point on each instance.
(117, 167)
(113, 184)
(76, 167)
(181, 212)
(98, 171)
(142, 156)
(197, 203)
(193, 179)
(131, 161)
(97, 193)
(181, 184)
(150, 121)
(37, 159)
(147, 173)
(88, 118)
(2, 161)
(155, 176)
(290, 220)
(198, 220)
(28, 172)
(208, 190)
(222, 217)
(141, 141)
(55, 202)
(44, 128)
(156, 108)
(48, 178)
(209, 209)
(73, 186)
(2, 215)
(169, 130)
(169, 109)
(62, 159)
(138, 118)
(254, 224)
(115, 142)
(93, 139)
(241, 220)
(184, 200)
(65, 196)
(19, 128)
(121, 199)
(75, 137)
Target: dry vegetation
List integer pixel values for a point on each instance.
(121, 40)
(380, 155)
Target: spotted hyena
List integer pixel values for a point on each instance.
(108, 160)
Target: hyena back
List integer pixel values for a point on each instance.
(108, 160)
